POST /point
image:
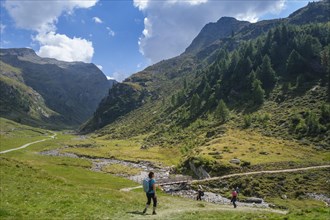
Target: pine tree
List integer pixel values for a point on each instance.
(268, 43)
(266, 74)
(295, 64)
(206, 91)
(173, 100)
(195, 105)
(222, 112)
(258, 93)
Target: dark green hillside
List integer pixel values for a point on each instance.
(243, 73)
(68, 93)
(243, 96)
(20, 102)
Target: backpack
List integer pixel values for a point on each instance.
(145, 184)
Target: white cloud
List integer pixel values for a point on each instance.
(141, 4)
(119, 76)
(2, 28)
(41, 16)
(171, 25)
(110, 78)
(100, 67)
(61, 47)
(97, 20)
(110, 32)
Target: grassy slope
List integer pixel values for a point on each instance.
(34, 186)
(265, 144)
(129, 149)
(14, 135)
(21, 95)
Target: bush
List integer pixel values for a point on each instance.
(313, 124)
(247, 121)
(245, 163)
(325, 113)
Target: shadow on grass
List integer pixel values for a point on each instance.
(136, 213)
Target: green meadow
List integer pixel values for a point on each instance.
(35, 186)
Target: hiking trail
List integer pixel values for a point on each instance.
(28, 144)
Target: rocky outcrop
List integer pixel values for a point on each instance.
(199, 171)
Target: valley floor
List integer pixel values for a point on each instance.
(38, 186)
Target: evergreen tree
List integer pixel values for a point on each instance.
(266, 74)
(311, 47)
(173, 100)
(211, 101)
(268, 43)
(195, 105)
(185, 84)
(206, 91)
(258, 94)
(222, 112)
(295, 64)
(325, 61)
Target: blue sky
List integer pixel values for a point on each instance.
(122, 36)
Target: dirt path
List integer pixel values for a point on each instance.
(261, 172)
(243, 174)
(28, 144)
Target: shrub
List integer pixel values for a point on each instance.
(247, 120)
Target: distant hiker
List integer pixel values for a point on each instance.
(200, 192)
(149, 186)
(234, 197)
(237, 190)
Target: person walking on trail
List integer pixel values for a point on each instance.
(234, 197)
(200, 192)
(151, 193)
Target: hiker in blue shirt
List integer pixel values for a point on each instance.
(151, 194)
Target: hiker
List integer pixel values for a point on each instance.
(151, 193)
(237, 190)
(200, 192)
(234, 197)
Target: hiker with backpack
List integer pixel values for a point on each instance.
(200, 192)
(149, 186)
(234, 197)
(237, 190)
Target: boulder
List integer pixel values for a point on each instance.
(235, 161)
(254, 200)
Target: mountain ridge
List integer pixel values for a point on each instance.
(69, 90)
(162, 79)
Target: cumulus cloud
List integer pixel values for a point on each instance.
(61, 47)
(110, 32)
(171, 25)
(97, 20)
(42, 18)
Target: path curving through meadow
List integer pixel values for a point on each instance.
(28, 144)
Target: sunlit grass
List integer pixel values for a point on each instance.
(13, 135)
(258, 149)
(129, 150)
